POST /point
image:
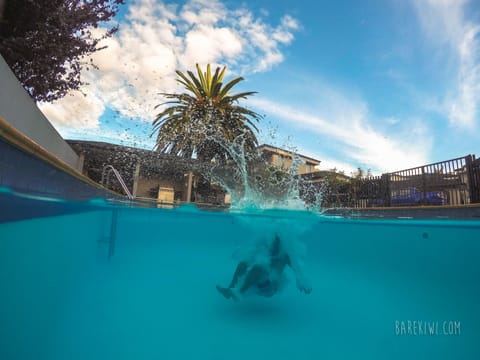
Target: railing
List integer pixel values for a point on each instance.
(451, 182)
(371, 191)
(107, 170)
(473, 168)
(442, 183)
(112, 237)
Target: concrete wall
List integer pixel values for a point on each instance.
(18, 108)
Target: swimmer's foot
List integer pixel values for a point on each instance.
(227, 293)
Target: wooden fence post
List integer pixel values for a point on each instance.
(424, 186)
(473, 174)
(386, 192)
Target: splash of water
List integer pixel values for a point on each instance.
(253, 183)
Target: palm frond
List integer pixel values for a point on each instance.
(228, 86)
(206, 109)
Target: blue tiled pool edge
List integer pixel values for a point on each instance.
(24, 173)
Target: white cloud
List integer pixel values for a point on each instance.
(203, 12)
(445, 24)
(463, 108)
(392, 121)
(207, 44)
(121, 136)
(157, 38)
(329, 163)
(289, 22)
(357, 140)
(283, 34)
(82, 111)
(442, 20)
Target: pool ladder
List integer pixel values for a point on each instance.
(107, 170)
(111, 239)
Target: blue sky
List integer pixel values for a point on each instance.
(383, 85)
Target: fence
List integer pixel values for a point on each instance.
(451, 182)
(473, 167)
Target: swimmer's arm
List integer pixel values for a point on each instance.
(303, 284)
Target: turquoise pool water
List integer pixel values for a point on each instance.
(62, 297)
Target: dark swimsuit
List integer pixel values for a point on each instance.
(266, 288)
(269, 287)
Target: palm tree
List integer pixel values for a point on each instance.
(205, 118)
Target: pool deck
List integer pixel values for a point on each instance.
(459, 212)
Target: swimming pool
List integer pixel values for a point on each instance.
(382, 289)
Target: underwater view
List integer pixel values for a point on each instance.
(116, 282)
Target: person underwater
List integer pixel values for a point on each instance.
(264, 275)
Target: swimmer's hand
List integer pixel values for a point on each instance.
(304, 285)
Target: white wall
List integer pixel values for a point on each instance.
(18, 108)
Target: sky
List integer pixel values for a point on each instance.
(383, 85)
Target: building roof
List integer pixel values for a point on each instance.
(126, 156)
(277, 150)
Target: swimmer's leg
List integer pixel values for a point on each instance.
(256, 274)
(227, 293)
(239, 271)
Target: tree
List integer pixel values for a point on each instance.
(205, 118)
(335, 188)
(46, 42)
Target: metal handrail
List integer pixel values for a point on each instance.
(107, 169)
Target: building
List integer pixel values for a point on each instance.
(285, 159)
